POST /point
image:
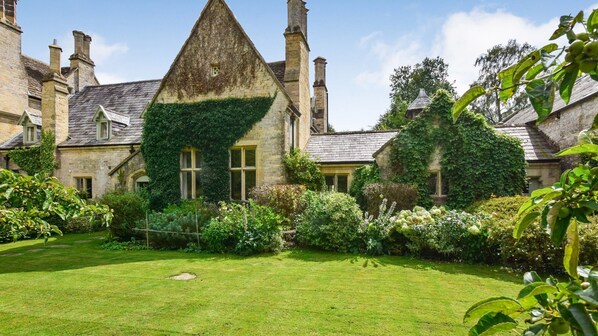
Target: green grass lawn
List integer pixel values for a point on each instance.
(72, 287)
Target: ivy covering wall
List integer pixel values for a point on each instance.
(211, 127)
(476, 161)
(37, 159)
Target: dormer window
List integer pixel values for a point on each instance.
(106, 120)
(103, 126)
(31, 121)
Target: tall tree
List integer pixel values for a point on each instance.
(490, 64)
(431, 74)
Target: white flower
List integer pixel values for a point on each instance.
(473, 230)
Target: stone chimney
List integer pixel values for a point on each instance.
(8, 10)
(55, 104)
(55, 52)
(320, 116)
(296, 77)
(82, 67)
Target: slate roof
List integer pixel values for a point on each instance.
(35, 116)
(114, 117)
(125, 99)
(347, 147)
(585, 88)
(35, 74)
(421, 102)
(278, 68)
(534, 144)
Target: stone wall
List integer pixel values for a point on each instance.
(341, 169)
(562, 127)
(13, 78)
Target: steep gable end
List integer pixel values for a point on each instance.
(217, 61)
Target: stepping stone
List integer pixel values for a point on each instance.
(183, 277)
(36, 250)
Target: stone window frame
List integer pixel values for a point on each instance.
(30, 131)
(84, 184)
(440, 184)
(244, 169)
(193, 170)
(335, 185)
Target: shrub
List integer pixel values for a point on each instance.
(128, 208)
(285, 200)
(404, 195)
(364, 175)
(29, 204)
(244, 230)
(413, 226)
(375, 231)
(302, 169)
(330, 221)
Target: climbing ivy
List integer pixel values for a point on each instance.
(37, 159)
(212, 127)
(476, 161)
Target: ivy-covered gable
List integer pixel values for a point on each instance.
(211, 127)
(475, 160)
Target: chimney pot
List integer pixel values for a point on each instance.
(55, 52)
(86, 43)
(10, 11)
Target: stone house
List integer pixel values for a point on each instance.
(99, 128)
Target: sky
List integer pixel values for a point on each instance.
(363, 40)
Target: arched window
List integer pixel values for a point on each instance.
(142, 183)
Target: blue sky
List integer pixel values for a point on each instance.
(362, 40)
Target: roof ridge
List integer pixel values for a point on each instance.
(124, 83)
(35, 59)
(356, 132)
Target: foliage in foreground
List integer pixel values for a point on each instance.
(37, 159)
(128, 208)
(302, 169)
(285, 200)
(33, 205)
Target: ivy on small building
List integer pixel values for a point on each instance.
(37, 159)
(476, 161)
(211, 127)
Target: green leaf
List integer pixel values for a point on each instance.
(592, 22)
(540, 192)
(566, 86)
(491, 324)
(524, 223)
(564, 27)
(541, 96)
(583, 319)
(500, 304)
(571, 259)
(589, 204)
(536, 288)
(579, 149)
(534, 71)
(553, 214)
(531, 277)
(507, 84)
(558, 232)
(470, 95)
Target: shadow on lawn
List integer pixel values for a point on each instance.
(81, 251)
(478, 270)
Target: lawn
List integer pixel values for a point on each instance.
(73, 287)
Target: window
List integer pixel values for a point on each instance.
(191, 167)
(242, 172)
(103, 127)
(215, 69)
(141, 183)
(30, 134)
(337, 182)
(85, 186)
(436, 186)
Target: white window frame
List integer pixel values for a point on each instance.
(103, 120)
(335, 181)
(195, 173)
(81, 184)
(243, 169)
(30, 138)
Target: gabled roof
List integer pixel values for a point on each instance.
(278, 68)
(347, 147)
(535, 145)
(112, 116)
(272, 69)
(36, 70)
(584, 89)
(34, 116)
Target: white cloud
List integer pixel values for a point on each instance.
(101, 50)
(109, 78)
(463, 37)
